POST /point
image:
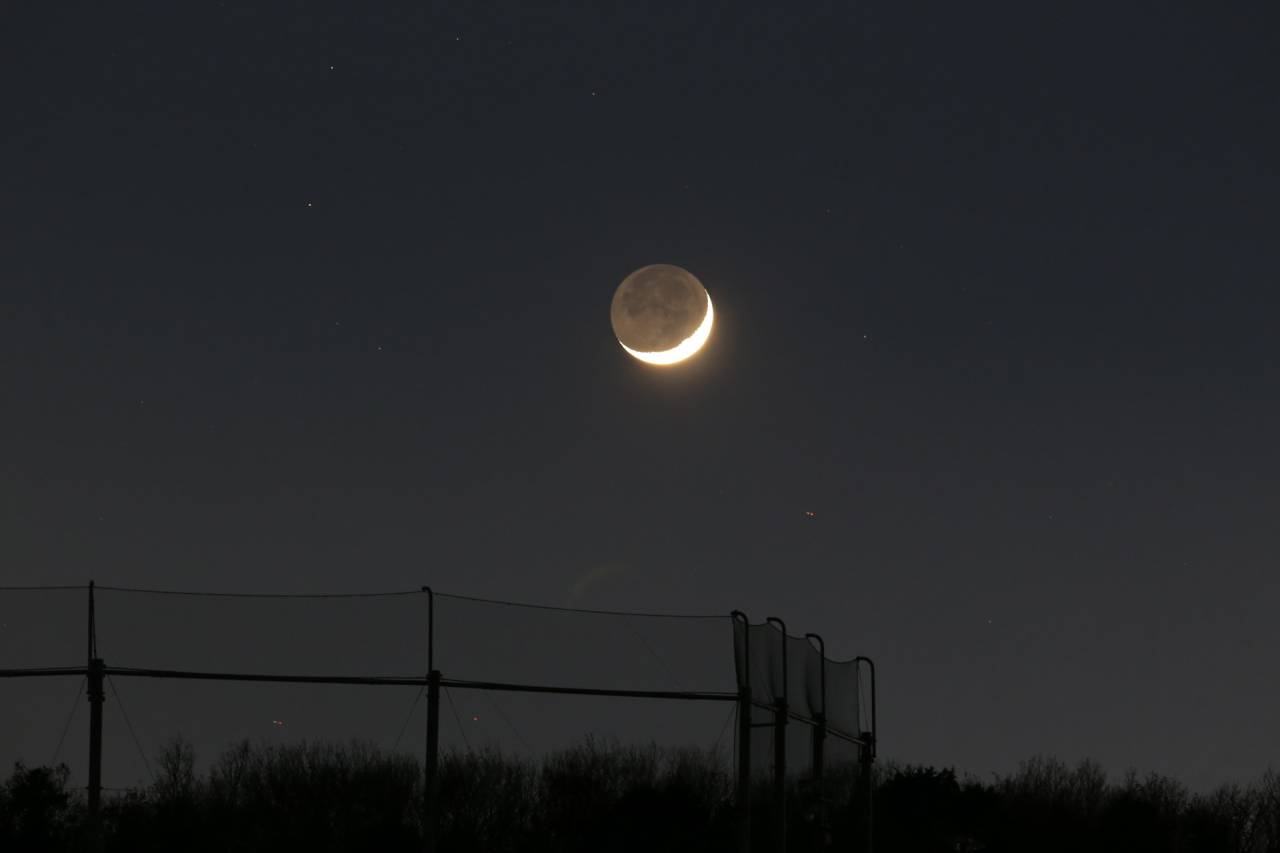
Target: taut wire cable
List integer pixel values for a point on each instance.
(75, 704)
(457, 719)
(129, 726)
(405, 727)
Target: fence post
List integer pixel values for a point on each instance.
(431, 824)
(821, 824)
(819, 743)
(96, 697)
(819, 746)
(743, 793)
(867, 755)
(95, 672)
(865, 782)
(780, 775)
(431, 764)
(744, 770)
(780, 749)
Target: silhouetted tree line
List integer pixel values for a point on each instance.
(602, 797)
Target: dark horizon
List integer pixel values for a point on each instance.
(601, 796)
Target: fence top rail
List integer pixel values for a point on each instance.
(691, 695)
(413, 681)
(39, 671)
(368, 680)
(43, 588)
(198, 593)
(593, 611)
(193, 593)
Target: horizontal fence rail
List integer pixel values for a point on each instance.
(41, 672)
(771, 698)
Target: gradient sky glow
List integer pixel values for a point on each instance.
(314, 297)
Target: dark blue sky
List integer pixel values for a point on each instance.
(314, 296)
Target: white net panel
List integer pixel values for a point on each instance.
(846, 697)
(799, 746)
(814, 686)
(765, 656)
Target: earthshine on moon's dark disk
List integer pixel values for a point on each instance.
(661, 314)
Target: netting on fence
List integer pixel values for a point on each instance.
(41, 628)
(527, 680)
(490, 641)
(371, 634)
(157, 634)
(779, 666)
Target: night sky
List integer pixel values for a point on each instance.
(311, 297)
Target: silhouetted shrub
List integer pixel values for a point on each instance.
(37, 811)
(607, 798)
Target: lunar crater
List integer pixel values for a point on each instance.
(657, 308)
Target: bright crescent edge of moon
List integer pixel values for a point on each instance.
(682, 350)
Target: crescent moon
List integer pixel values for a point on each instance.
(685, 348)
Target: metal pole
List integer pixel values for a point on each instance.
(96, 697)
(819, 743)
(91, 635)
(95, 673)
(871, 667)
(780, 749)
(867, 756)
(431, 824)
(865, 783)
(744, 738)
(820, 729)
(431, 764)
(431, 628)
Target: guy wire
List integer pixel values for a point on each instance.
(129, 726)
(412, 706)
(75, 704)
